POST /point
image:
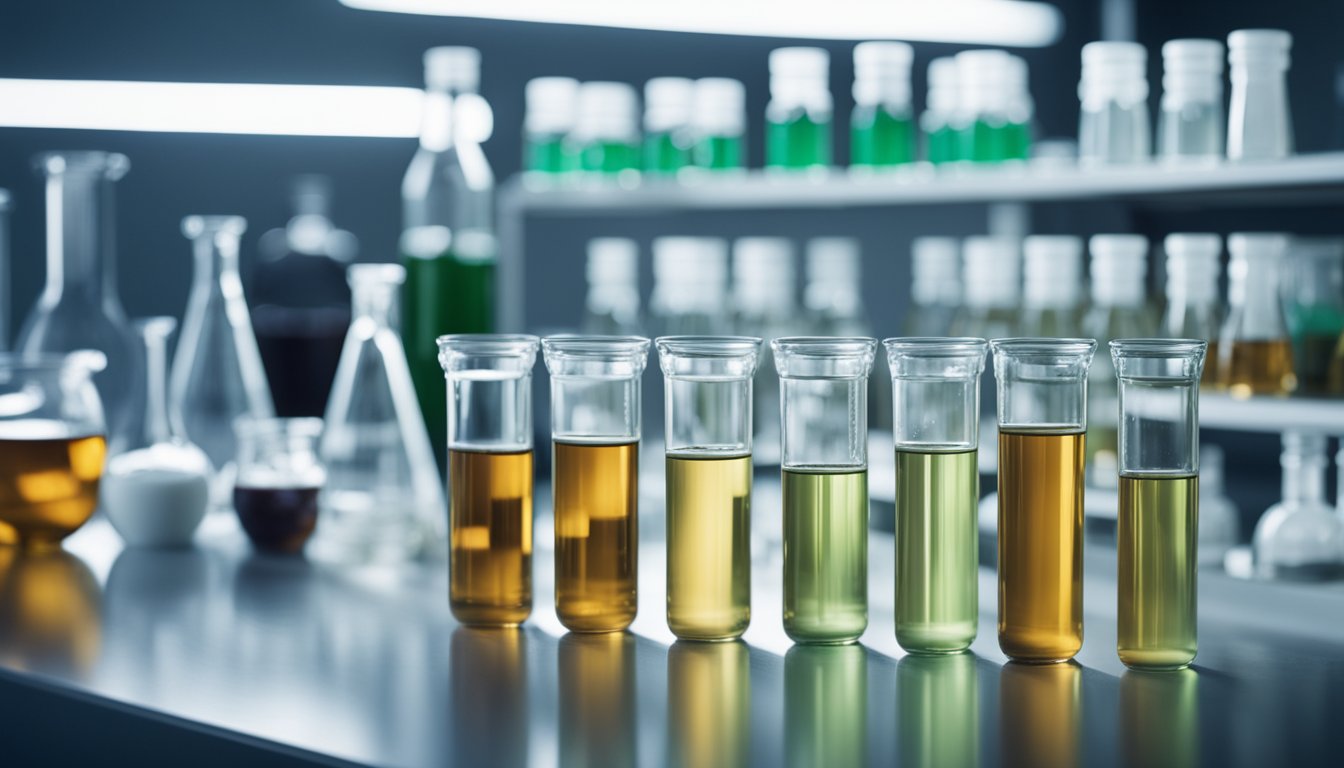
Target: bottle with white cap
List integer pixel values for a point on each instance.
(935, 286)
(606, 131)
(612, 304)
(1259, 122)
(690, 277)
(1190, 123)
(994, 109)
(765, 306)
(798, 117)
(940, 106)
(882, 132)
(1052, 296)
(1019, 110)
(991, 279)
(552, 104)
(1113, 126)
(667, 124)
(1254, 354)
(1193, 311)
(718, 124)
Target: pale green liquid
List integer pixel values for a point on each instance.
(825, 555)
(1158, 554)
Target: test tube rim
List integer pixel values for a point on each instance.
(709, 346)
(936, 346)
(1158, 348)
(825, 346)
(1026, 345)
(489, 344)
(594, 346)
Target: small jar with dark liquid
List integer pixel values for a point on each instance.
(279, 480)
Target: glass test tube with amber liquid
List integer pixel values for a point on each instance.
(1042, 405)
(595, 425)
(708, 428)
(489, 382)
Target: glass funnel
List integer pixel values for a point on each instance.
(384, 499)
(1301, 538)
(79, 307)
(217, 374)
(279, 479)
(52, 446)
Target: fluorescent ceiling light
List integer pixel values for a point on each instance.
(298, 110)
(989, 22)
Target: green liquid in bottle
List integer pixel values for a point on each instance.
(548, 155)
(798, 143)
(664, 155)
(609, 157)
(1016, 141)
(718, 153)
(983, 142)
(879, 138)
(942, 145)
(1158, 552)
(825, 555)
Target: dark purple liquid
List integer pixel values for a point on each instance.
(277, 519)
(300, 349)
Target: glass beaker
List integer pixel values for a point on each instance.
(384, 498)
(935, 384)
(217, 374)
(1042, 398)
(1301, 538)
(595, 429)
(824, 411)
(1313, 303)
(52, 446)
(489, 475)
(1158, 526)
(707, 400)
(1254, 354)
(157, 489)
(79, 307)
(278, 481)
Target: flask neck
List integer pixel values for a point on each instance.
(79, 235)
(1304, 474)
(377, 302)
(157, 428)
(216, 252)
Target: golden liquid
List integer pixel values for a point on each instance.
(596, 535)
(1040, 545)
(1158, 554)
(708, 704)
(1257, 368)
(1039, 715)
(708, 546)
(490, 517)
(597, 700)
(48, 487)
(50, 612)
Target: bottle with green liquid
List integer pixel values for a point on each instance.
(667, 118)
(937, 122)
(994, 107)
(882, 129)
(551, 107)
(606, 135)
(798, 117)
(718, 124)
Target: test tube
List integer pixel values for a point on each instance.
(824, 407)
(489, 476)
(707, 394)
(935, 385)
(1042, 394)
(595, 431)
(1159, 499)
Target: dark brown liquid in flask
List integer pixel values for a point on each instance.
(277, 520)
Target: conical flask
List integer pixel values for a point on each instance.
(383, 500)
(217, 373)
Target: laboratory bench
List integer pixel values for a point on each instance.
(215, 655)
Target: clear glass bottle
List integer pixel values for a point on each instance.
(1190, 125)
(719, 124)
(278, 482)
(935, 286)
(764, 305)
(1313, 303)
(552, 107)
(606, 133)
(935, 385)
(1193, 310)
(4, 270)
(489, 476)
(611, 307)
(157, 490)
(1219, 521)
(1052, 294)
(690, 285)
(824, 411)
(1255, 356)
(667, 125)
(882, 127)
(217, 374)
(707, 401)
(1260, 123)
(1113, 128)
(937, 123)
(1158, 524)
(798, 117)
(991, 275)
(383, 500)
(79, 307)
(1042, 394)
(1301, 538)
(984, 101)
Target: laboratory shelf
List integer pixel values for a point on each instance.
(1272, 414)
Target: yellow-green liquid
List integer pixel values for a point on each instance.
(708, 546)
(825, 555)
(938, 711)
(826, 705)
(1159, 536)
(937, 550)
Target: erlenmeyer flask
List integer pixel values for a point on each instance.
(79, 307)
(217, 374)
(383, 499)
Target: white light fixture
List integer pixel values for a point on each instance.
(988, 22)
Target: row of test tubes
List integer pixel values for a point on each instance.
(1042, 416)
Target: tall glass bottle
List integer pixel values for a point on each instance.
(1191, 123)
(552, 106)
(1313, 301)
(935, 385)
(1254, 354)
(79, 307)
(1259, 123)
(1113, 117)
(448, 242)
(1159, 500)
(992, 277)
(937, 123)
(383, 499)
(489, 476)
(690, 277)
(217, 374)
(882, 128)
(1301, 538)
(824, 411)
(1051, 294)
(1193, 310)
(667, 125)
(606, 133)
(707, 397)
(798, 117)
(595, 433)
(719, 124)
(1042, 393)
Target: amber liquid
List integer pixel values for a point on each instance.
(1248, 368)
(708, 546)
(48, 487)
(1040, 545)
(596, 535)
(490, 520)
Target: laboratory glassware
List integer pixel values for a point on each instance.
(993, 112)
(882, 127)
(833, 295)
(937, 121)
(1158, 526)
(1190, 123)
(1042, 394)
(992, 276)
(611, 307)
(764, 285)
(690, 284)
(279, 479)
(1255, 356)
(1113, 128)
(935, 286)
(448, 243)
(489, 378)
(79, 307)
(667, 125)
(1219, 526)
(217, 374)
(935, 385)
(52, 445)
(1051, 295)
(383, 500)
(1313, 303)
(719, 124)
(707, 400)
(1193, 311)
(606, 134)
(595, 433)
(1259, 123)
(826, 705)
(824, 413)
(157, 489)
(5, 276)
(1301, 538)
(552, 108)
(798, 117)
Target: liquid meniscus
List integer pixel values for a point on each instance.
(48, 486)
(708, 546)
(825, 555)
(490, 533)
(1158, 554)
(596, 535)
